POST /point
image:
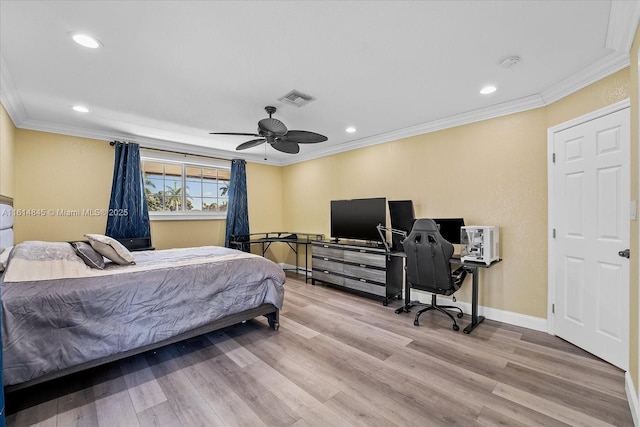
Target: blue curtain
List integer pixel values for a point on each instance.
(128, 214)
(237, 210)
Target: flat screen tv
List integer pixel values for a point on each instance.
(357, 219)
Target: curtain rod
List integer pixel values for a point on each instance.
(113, 143)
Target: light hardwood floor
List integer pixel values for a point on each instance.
(339, 360)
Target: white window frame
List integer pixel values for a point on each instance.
(184, 160)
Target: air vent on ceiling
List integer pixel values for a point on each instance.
(296, 98)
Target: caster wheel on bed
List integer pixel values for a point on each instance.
(273, 324)
(459, 315)
(385, 302)
(456, 327)
(416, 323)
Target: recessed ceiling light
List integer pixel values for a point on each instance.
(86, 41)
(80, 109)
(487, 90)
(350, 129)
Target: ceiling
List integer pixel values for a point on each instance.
(170, 72)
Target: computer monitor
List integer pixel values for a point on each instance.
(402, 218)
(450, 228)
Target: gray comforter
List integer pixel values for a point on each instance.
(81, 314)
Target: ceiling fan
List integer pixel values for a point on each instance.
(276, 133)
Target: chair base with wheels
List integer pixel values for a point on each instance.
(441, 309)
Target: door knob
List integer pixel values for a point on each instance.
(624, 254)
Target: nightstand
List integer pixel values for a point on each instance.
(137, 243)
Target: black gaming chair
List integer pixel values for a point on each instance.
(428, 267)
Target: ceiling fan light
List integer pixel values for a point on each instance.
(350, 129)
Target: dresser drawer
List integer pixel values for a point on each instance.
(365, 258)
(364, 286)
(357, 266)
(327, 277)
(369, 274)
(327, 251)
(324, 263)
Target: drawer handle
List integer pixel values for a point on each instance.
(363, 251)
(326, 271)
(363, 265)
(325, 246)
(326, 259)
(363, 280)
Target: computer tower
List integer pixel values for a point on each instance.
(480, 243)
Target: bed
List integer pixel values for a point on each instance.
(61, 316)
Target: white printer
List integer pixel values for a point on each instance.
(480, 243)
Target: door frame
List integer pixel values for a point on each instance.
(552, 260)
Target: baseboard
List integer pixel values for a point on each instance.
(516, 319)
(632, 397)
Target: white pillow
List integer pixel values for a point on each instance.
(110, 248)
(4, 258)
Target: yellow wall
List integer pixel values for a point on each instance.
(264, 188)
(184, 234)
(56, 173)
(7, 144)
(482, 172)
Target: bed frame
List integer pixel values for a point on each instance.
(268, 310)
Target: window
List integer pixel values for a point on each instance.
(185, 188)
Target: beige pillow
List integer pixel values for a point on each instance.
(110, 248)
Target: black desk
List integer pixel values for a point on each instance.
(472, 267)
(293, 240)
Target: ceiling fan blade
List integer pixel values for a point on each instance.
(286, 146)
(233, 133)
(304, 137)
(249, 144)
(274, 126)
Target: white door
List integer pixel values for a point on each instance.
(591, 221)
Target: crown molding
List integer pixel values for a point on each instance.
(498, 110)
(589, 75)
(9, 96)
(605, 67)
(623, 22)
(144, 142)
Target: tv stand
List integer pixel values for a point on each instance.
(358, 266)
